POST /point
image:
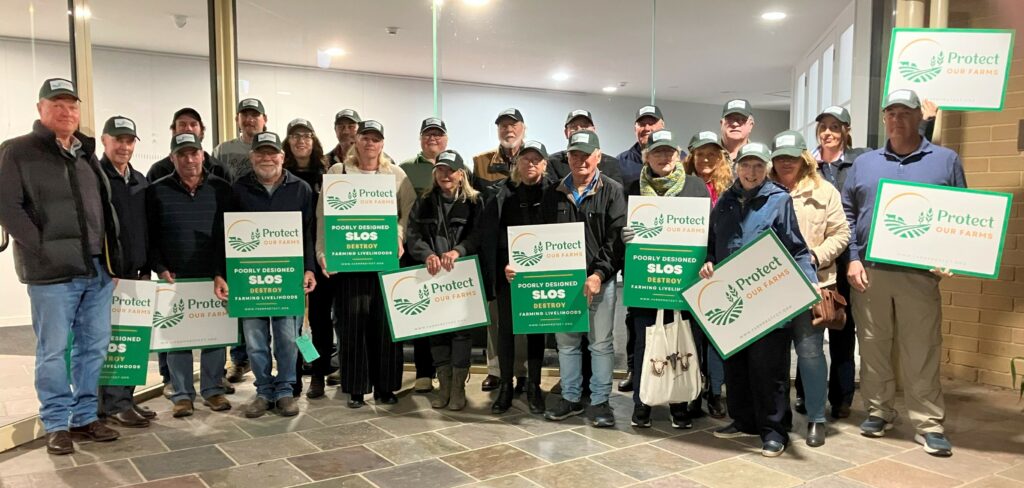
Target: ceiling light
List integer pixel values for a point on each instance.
(610, 89)
(773, 16)
(475, 3)
(334, 51)
(560, 76)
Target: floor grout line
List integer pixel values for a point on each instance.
(303, 473)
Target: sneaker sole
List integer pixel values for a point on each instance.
(878, 433)
(682, 426)
(772, 454)
(733, 436)
(644, 425)
(572, 413)
(918, 438)
(602, 425)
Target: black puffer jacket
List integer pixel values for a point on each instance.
(513, 205)
(41, 207)
(436, 227)
(603, 213)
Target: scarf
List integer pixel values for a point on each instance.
(662, 186)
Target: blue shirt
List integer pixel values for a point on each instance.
(931, 164)
(587, 190)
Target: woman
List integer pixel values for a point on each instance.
(662, 175)
(517, 202)
(757, 376)
(822, 222)
(304, 157)
(443, 227)
(369, 359)
(709, 160)
(835, 155)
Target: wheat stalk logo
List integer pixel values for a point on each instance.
(914, 74)
(245, 246)
(161, 321)
(342, 205)
(731, 313)
(648, 232)
(523, 259)
(414, 308)
(903, 230)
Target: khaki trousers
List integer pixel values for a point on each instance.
(900, 315)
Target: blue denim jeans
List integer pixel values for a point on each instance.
(257, 333)
(810, 353)
(211, 370)
(82, 306)
(716, 370)
(602, 354)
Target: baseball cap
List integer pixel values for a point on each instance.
(251, 104)
(300, 122)
(907, 98)
(512, 113)
(840, 113)
(450, 159)
(704, 138)
(737, 106)
(187, 111)
(535, 146)
(120, 126)
(659, 138)
(788, 143)
(57, 87)
(349, 114)
(370, 126)
(584, 140)
(432, 123)
(267, 139)
(579, 113)
(648, 111)
(183, 140)
(755, 150)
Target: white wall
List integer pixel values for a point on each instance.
(149, 87)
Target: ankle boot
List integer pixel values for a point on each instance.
(535, 398)
(458, 395)
(444, 390)
(504, 400)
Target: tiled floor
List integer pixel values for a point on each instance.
(409, 444)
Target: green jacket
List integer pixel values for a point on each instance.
(419, 170)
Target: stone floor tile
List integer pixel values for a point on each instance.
(337, 414)
(644, 462)
(673, 481)
(885, 473)
(560, 446)
(32, 458)
(703, 447)
(185, 461)
(125, 447)
(536, 425)
(414, 423)
(1016, 473)
(576, 473)
(189, 481)
(962, 465)
(492, 462)
(273, 424)
(993, 482)
(271, 474)
(738, 473)
(856, 448)
(338, 462)
(351, 481)
(99, 475)
(622, 435)
(510, 481)
(834, 481)
(344, 435)
(201, 435)
(430, 473)
(414, 448)
(475, 436)
(801, 461)
(267, 448)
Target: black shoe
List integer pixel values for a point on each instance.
(229, 389)
(95, 431)
(601, 415)
(128, 418)
(641, 416)
(715, 407)
(799, 406)
(356, 401)
(59, 443)
(816, 434)
(334, 379)
(145, 412)
(504, 400)
(732, 431)
(563, 410)
(693, 409)
(237, 371)
(680, 416)
(520, 386)
(386, 398)
(491, 382)
(316, 387)
(557, 389)
(627, 383)
(772, 449)
(841, 412)
(535, 398)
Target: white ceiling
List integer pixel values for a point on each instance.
(707, 50)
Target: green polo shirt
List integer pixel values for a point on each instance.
(419, 170)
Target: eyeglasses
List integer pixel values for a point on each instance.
(531, 162)
(432, 136)
(301, 136)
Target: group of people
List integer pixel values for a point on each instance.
(79, 224)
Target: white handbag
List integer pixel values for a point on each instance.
(671, 371)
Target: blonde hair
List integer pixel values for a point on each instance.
(844, 131)
(518, 180)
(464, 192)
(808, 173)
(352, 158)
(721, 178)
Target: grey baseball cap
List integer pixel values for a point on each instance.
(512, 113)
(58, 87)
(579, 113)
(370, 126)
(120, 126)
(737, 106)
(433, 123)
(788, 143)
(584, 140)
(907, 98)
(755, 150)
(183, 140)
(450, 159)
(267, 139)
(704, 138)
(349, 114)
(840, 113)
(648, 111)
(251, 104)
(300, 122)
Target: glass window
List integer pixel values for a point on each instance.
(812, 92)
(800, 97)
(844, 75)
(827, 58)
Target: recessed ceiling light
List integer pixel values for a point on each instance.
(560, 76)
(334, 51)
(475, 3)
(610, 89)
(773, 16)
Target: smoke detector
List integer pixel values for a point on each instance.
(391, 30)
(180, 21)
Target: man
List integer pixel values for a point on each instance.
(492, 166)
(433, 141)
(251, 119)
(346, 121)
(911, 326)
(182, 212)
(270, 188)
(558, 163)
(128, 195)
(648, 119)
(186, 120)
(588, 196)
(737, 122)
(55, 203)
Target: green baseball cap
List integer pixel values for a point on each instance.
(704, 138)
(737, 106)
(57, 87)
(370, 126)
(512, 113)
(755, 150)
(183, 140)
(450, 159)
(535, 146)
(840, 113)
(120, 126)
(433, 123)
(267, 139)
(251, 104)
(648, 111)
(659, 138)
(907, 98)
(300, 122)
(788, 143)
(347, 114)
(584, 140)
(579, 113)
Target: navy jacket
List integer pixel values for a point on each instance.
(129, 198)
(558, 166)
(182, 225)
(735, 223)
(603, 213)
(631, 161)
(165, 167)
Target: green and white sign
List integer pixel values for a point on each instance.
(131, 321)
(958, 69)
(928, 226)
(752, 291)
(189, 316)
(667, 252)
(360, 222)
(551, 267)
(419, 304)
(264, 263)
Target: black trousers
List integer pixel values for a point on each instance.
(631, 335)
(507, 343)
(758, 381)
(369, 360)
(423, 358)
(451, 349)
(115, 399)
(842, 369)
(321, 326)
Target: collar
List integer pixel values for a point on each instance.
(922, 149)
(250, 180)
(202, 181)
(420, 159)
(569, 189)
(838, 162)
(111, 171)
(87, 144)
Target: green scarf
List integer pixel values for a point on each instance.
(662, 186)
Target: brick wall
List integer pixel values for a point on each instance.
(983, 320)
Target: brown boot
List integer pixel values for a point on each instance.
(182, 408)
(458, 398)
(444, 388)
(95, 431)
(217, 403)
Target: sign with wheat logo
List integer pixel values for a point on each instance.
(929, 226)
(174, 317)
(241, 245)
(756, 289)
(186, 315)
(420, 304)
(131, 323)
(551, 266)
(522, 258)
(958, 69)
(265, 264)
(360, 222)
